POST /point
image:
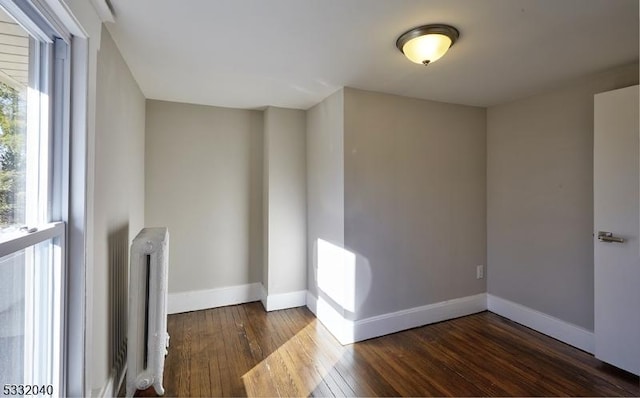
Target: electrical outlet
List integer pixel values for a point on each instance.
(479, 271)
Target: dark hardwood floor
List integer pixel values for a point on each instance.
(243, 351)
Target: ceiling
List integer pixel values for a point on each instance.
(294, 53)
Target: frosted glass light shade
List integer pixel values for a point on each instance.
(426, 44)
(426, 49)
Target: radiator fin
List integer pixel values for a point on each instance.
(118, 243)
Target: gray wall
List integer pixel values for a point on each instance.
(415, 210)
(325, 179)
(540, 198)
(204, 182)
(284, 195)
(118, 181)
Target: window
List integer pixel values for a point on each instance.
(33, 181)
(14, 81)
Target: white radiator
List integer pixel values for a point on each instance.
(147, 336)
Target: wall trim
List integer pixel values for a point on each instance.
(263, 297)
(558, 329)
(331, 318)
(212, 298)
(347, 331)
(281, 301)
(120, 382)
(104, 11)
(111, 387)
(419, 316)
(106, 390)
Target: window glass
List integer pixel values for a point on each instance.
(29, 319)
(14, 80)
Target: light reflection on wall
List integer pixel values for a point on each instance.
(343, 280)
(337, 274)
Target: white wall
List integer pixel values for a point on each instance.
(325, 179)
(285, 201)
(118, 197)
(204, 183)
(540, 198)
(415, 212)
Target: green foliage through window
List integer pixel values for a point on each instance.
(12, 156)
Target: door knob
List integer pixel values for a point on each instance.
(604, 236)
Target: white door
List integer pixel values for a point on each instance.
(617, 227)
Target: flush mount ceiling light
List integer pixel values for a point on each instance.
(428, 43)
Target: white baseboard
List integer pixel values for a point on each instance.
(120, 382)
(332, 319)
(111, 387)
(274, 302)
(558, 329)
(347, 331)
(106, 390)
(203, 299)
(419, 316)
(263, 297)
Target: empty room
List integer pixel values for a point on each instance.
(319, 198)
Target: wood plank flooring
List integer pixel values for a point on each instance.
(243, 351)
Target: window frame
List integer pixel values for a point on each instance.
(49, 96)
(23, 240)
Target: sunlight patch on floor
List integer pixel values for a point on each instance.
(296, 368)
